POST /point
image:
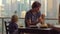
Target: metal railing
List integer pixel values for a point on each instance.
(2, 18)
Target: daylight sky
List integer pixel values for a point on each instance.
(0, 2)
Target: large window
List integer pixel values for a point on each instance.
(49, 7)
(52, 11)
(9, 7)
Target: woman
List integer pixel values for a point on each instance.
(33, 16)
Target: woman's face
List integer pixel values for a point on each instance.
(37, 9)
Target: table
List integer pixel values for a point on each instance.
(35, 30)
(56, 27)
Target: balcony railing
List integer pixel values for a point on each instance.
(7, 19)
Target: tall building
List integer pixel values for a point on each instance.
(2, 11)
(10, 6)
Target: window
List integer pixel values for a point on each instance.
(49, 8)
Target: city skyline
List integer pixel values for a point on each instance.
(21, 5)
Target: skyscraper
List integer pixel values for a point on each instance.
(10, 6)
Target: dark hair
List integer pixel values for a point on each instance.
(36, 4)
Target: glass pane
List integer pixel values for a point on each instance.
(54, 22)
(52, 11)
(21, 6)
(24, 7)
(59, 1)
(0, 26)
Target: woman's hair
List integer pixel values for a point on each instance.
(14, 18)
(36, 4)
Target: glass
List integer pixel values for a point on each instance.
(51, 21)
(8, 7)
(48, 7)
(52, 10)
(0, 26)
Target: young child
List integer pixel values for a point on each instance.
(42, 23)
(13, 27)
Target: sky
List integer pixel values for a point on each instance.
(0, 2)
(59, 1)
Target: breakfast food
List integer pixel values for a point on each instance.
(44, 25)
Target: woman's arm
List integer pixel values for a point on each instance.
(28, 21)
(40, 20)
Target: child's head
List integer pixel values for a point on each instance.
(14, 18)
(43, 16)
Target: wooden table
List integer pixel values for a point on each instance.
(57, 28)
(35, 30)
(53, 30)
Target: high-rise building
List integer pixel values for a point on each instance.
(10, 6)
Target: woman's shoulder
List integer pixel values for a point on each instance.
(28, 12)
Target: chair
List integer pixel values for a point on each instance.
(6, 27)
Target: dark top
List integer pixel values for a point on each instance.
(12, 27)
(33, 18)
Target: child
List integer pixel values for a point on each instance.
(13, 27)
(42, 23)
